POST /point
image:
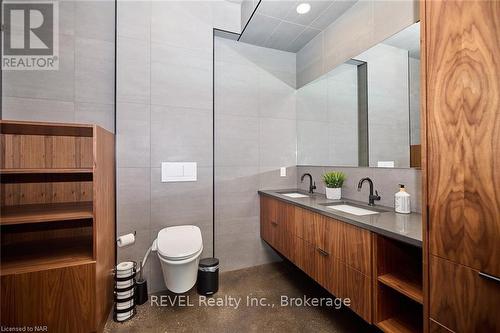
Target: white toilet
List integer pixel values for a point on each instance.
(179, 249)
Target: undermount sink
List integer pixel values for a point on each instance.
(295, 195)
(352, 210)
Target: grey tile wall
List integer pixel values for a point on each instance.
(362, 26)
(255, 136)
(164, 113)
(385, 180)
(82, 90)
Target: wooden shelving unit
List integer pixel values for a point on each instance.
(55, 241)
(37, 213)
(400, 324)
(64, 252)
(14, 171)
(408, 286)
(397, 286)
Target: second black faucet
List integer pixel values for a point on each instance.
(371, 197)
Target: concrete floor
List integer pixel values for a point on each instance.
(267, 281)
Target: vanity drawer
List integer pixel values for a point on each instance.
(346, 242)
(350, 283)
(315, 228)
(276, 217)
(470, 307)
(304, 256)
(351, 244)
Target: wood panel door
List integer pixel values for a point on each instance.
(463, 131)
(463, 300)
(52, 298)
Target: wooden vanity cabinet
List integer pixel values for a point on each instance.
(333, 253)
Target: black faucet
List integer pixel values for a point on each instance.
(371, 197)
(312, 185)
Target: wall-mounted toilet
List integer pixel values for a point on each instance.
(179, 249)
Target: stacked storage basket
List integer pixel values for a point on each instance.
(124, 291)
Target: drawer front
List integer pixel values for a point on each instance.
(346, 242)
(349, 283)
(472, 306)
(265, 224)
(435, 327)
(62, 299)
(323, 268)
(352, 245)
(304, 256)
(316, 229)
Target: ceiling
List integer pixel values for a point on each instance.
(277, 25)
(407, 39)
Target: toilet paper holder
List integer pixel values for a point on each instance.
(135, 234)
(127, 239)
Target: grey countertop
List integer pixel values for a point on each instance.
(403, 227)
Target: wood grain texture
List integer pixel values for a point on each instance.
(41, 213)
(463, 131)
(423, 154)
(45, 192)
(397, 285)
(64, 174)
(62, 299)
(407, 286)
(415, 156)
(104, 223)
(45, 128)
(352, 245)
(43, 151)
(394, 312)
(435, 327)
(304, 258)
(350, 283)
(28, 251)
(308, 238)
(461, 299)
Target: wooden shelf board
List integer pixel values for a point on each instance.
(45, 170)
(44, 128)
(37, 213)
(399, 324)
(410, 288)
(31, 256)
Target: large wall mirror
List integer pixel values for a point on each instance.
(365, 112)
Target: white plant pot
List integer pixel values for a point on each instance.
(333, 193)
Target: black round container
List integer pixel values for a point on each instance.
(208, 276)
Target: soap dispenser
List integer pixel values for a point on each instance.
(402, 201)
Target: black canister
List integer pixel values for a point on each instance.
(208, 276)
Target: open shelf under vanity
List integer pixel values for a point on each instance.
(397, 286)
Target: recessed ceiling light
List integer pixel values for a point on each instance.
(303, 8)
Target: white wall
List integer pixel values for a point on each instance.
(255, 136)
(364, 25)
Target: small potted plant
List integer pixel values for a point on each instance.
(333, 182)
